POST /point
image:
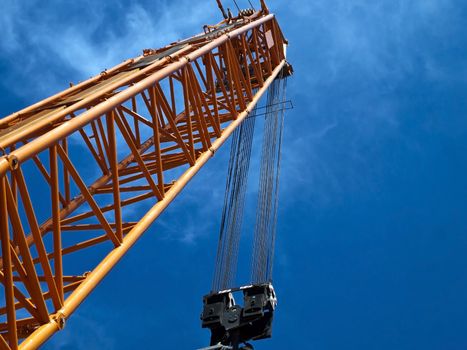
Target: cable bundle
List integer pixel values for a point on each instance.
(266, 212)
(234, 202)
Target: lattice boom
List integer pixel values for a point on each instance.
(76, 163)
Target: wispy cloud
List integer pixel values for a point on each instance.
(41, 35)
(353, 57)
(196, 213)
(8, 24)
(86, 334)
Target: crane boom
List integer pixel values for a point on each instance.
(75, 164)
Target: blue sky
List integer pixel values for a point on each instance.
(372, 225)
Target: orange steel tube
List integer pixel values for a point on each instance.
(7, 269)
(114, 168)
(95, 277)
(68, 91)
(85, 101)
(57, 235)
(27, 151)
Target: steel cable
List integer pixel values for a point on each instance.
(267, 200)
(234, 200)
(266, 213)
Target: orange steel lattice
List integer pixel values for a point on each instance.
(74, 164)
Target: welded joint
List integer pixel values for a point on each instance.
(148, 52)
(213, 151)
(60, 319)
(13, 161)
(264, 7)
(92, 190)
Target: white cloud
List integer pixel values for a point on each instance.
(85, 333)
(350, 59)
(85, 48)
(9, 13)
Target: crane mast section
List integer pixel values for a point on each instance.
(85, 172)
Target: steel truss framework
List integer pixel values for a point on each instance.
(138, 124)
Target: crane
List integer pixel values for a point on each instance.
(96, 164)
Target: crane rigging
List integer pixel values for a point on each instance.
(230, 323)
(92, 167)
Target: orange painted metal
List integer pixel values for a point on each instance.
(91, 167)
